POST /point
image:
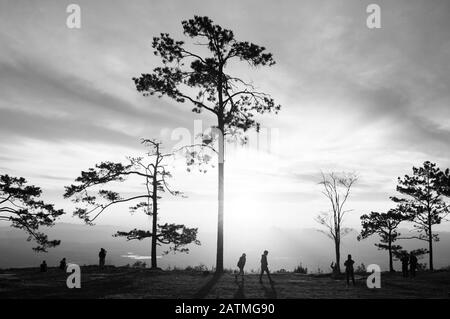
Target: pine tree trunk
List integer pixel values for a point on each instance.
(391, 265)
(430, 245)
(155, 223)
(219, 259)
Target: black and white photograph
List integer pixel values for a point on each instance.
(219, 157)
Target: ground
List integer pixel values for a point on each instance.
(145, 283)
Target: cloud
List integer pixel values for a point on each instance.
(42, 102)
(371, 101)
(139, 257)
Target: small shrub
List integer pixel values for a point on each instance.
(199, 268)
(421, 266)
(229, 271)
(139, 264)
(301, 270)
(361, 269)
(447, 268)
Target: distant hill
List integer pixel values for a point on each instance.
(287, 248)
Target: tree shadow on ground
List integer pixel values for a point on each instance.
(204, 291)
(269, 293)
(240, 294)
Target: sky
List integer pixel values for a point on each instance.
(370, 101)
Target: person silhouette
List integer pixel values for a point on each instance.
(349, 270)
(102, 256)
(264, 267)
(63, 264)
(405, 261)
(44, 266)
(241, 265)
(412, 264)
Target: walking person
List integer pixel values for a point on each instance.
(241, 265)
(265, 267)
(349, 272)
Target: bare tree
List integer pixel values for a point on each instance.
(336, 187)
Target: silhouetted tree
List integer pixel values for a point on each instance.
(385, 225)
(425, 190)
(202, 80)
(20, 206)
(153, 171)
(336, 187)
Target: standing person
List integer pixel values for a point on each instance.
(62, 264)
(412, 264)
(349, 270)
(44, 266)
(264, 267)
(405, 261)
(102, 256)
(241, 265)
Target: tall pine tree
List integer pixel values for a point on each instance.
(201, 78)
(384, 225)
(424, 193)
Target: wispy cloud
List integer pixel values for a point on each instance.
(371, 101)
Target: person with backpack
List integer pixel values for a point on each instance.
(264, 267)
(241, 265)
(349, 272)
